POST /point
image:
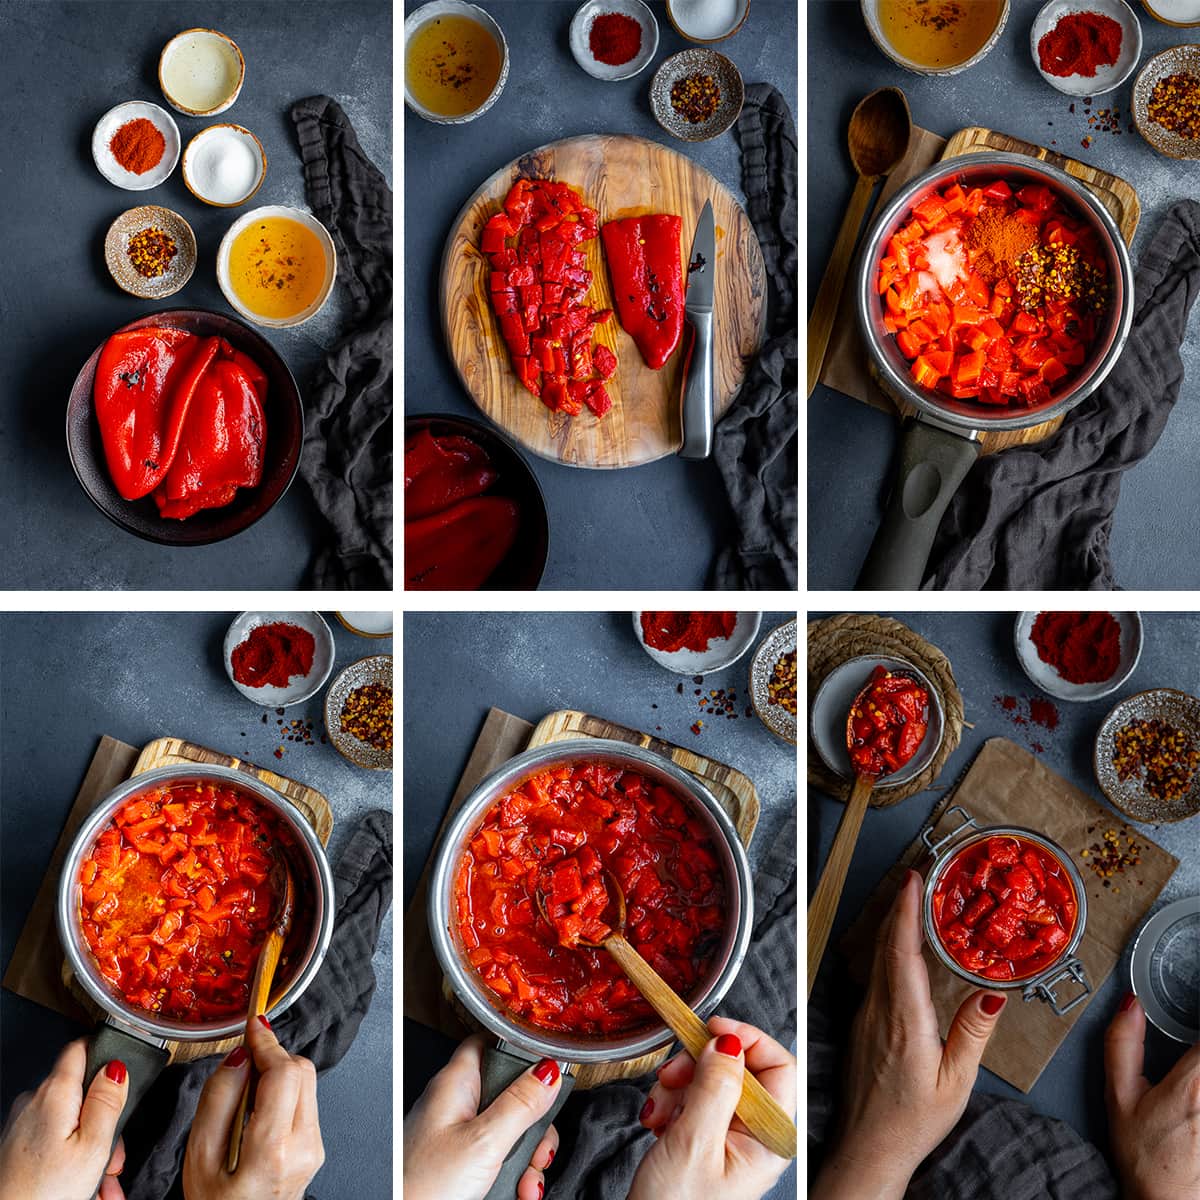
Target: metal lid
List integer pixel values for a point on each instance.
(1165, 969)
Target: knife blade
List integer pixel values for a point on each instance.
(696, 398)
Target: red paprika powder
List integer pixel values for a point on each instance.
(138, 146)
(1081, 647)
(1079, 43)
(272, 655)
(614, 39)
(669, 631)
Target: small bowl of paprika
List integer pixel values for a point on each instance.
(613, 39)
(694, 643)
(278, 658)
(1078, 655)
(1086, 51)
(136, 145)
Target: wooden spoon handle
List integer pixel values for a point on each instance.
(260, 992)
(760, 1112)
(823, 905)
(829, 294)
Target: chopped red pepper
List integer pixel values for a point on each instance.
(645, 263)
(888, 723)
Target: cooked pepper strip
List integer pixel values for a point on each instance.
(646, 267)
(440, 471)
(458, 549)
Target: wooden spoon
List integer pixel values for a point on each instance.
(879, 133)
(760, 1112)
(284, 891)
(823, 905)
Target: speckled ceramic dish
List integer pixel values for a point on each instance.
(697, 62)
(1044, 676)
(377, 669)
(775, 717)
(1128, 795)
(581, 28)
(116, 252)
(720, 654)
(105, 160)
(219, 46)
(1164, 969)
(1178, 60)
(300, 688)
(831, 706)
(1106, 78)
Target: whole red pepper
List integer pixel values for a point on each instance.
(459, 548)
(646, 267)
(440, 471)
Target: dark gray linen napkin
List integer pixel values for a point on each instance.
(755, 445)
(347, 456)
(322, 1024)
(1040, 516)
(602, 1142)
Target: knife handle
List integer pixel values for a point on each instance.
(696, 414)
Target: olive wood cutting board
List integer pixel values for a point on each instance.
(38, 971)
(619, 176)
(847, 365)
(427, 997)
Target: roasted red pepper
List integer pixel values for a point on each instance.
(646, 267)
(145, 380)
(888, 724)
(459, 548)
(440, 471)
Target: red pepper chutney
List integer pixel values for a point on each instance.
(557, 834)
(1004, 908)
(888, 725)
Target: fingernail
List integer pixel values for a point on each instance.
(546, 1072)
(550, 1159)
(647, 1109)
(116, 1071)
(657, 1132)
(1129, 1001)
(541, 1190)
(236, 1057)
(991, 1004)
(728, 1044)
(264, 1020)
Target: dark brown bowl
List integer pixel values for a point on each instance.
(525, 564)
(284, 413)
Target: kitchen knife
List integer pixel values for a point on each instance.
(696, 412)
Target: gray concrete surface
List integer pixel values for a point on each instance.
(980, 649)
(458, 665)
(652, 526)
(69, 678)
(850, 445)
(66, 65)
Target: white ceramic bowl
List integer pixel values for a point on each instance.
(306, 219)
(197, 146)
(225, 45)
(720, 654)
(581, 29)
(1105, 78)
(105, 160)
(1044, 676)
(677, 14)
(456, 8)
(870, 12)
(1189, 14)
(298, 689)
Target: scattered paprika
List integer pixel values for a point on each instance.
(1083, 647)
(138, 146)
(272, 655)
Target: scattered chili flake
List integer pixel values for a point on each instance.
(367, 715)
(1114, 854)
(1163, 757)
(1175, 104)
(695, 97)
(151, 251)
(781, 688)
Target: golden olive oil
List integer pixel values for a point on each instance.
(276, 267)
(451, 65)
(938, 33)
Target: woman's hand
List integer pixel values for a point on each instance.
(452, 1149)
(905, 1091)
(703, 1150)
(58, 1140)
(1155, 1130)
(281, 1147)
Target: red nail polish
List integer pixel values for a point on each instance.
(546, 1072)
(550, 1159)
(991, 1004)
(116, 1071)
(657, 1132)
(1129, 1001)
(728, 1044)
(236, 1057)
(647, 1109)
(541, 1190)
(264, 1020)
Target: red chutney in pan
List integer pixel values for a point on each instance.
(175, 899)
(558, 833)
(1004, 908)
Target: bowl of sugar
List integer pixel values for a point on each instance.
(707, 21)
(224, 165)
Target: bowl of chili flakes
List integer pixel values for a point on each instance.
(358, 712)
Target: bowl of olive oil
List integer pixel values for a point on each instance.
(935, 37)
(455, 62)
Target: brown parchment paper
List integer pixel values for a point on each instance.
(35, 970)
(1006, 785)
